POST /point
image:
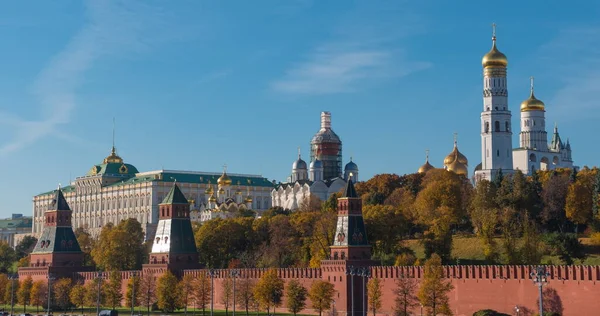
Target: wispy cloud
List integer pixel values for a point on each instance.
(574, 56)
(112, 28)
(365, 45)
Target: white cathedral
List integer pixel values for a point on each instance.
(497, 153)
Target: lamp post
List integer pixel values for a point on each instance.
(365, 273)
(517, 310)
(99, 279)
(12, 279)
(540, 278)
(234, 274)
(50, 279)
(133, 275)
(421, 309)
(333, 311)
(352, 272)
(212, 273)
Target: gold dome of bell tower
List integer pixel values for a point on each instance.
(494, 58)
(532, 104)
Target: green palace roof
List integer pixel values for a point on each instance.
(182, 177)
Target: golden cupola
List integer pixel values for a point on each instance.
(532, 103)
(426, 166)
(224, 179)
(113, 157)
(494, 58)
(456, 161)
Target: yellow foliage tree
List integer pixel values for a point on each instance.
(374, 295)
(321, 294)
(269, 290)
(433, 293)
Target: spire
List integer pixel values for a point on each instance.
(114, 152)
(555, 128)
(175, 196)
(494, 33)
(325, 120)
(455, 139)
(299, 152)
(350, 191)
(59, 203)
(426, 155)
(531, 83)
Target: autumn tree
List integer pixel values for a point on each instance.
(61, 290)
(4, 286)
(282, 247)
(167, 292)
(580, 198)
(132, 293)
(86, 243)
(120, 247)
(12, 287)
(531, 252)
(226, 293)
(554, 195)
(406, 298)
(148, 290)
(202, 291)
(321, 294)
(387, 226)
(77, 296)
(7, 257)
(245, 294)
(93, 294)
(186, 288)
(112, 289)
(39, 292)
(269, 290)
(510, 224)
(433, 292)
(296, 297)
(24, 292)
(484, 213)
(374, 294)
(221, 240)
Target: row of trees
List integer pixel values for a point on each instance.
(168, 293)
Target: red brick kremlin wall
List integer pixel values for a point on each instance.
(475, 287)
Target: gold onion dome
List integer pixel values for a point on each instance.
(212, 198)
(532, 104)
(248, 199)
(458, 168)
(113, 157)
(426, 166)
(224, 179)
(494, 58)
(456, 161)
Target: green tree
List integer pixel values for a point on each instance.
(39, 292)
(25, 246)
(186, 288)
(374, 295)
(221, 240)
(433, 292)
(566, 246)
(112, 289)
(12, 288)
(531, 250)
(484, 212)
(269, 290)
(554, 195)
(7, 257)
(77, 296)
(24, 293)
(510, 224)
(61, 290)
(202, 291)
(296, 297)
(167, 292)
(321, 294)
(596, 201)
(133, 291)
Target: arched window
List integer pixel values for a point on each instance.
(498, 152)
(507, 127)
(487, 127)
(497, 126)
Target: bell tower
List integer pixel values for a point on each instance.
(174, 247)
(350, 252)
(496, 129)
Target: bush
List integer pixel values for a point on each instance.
(595, 239)
(566, 246)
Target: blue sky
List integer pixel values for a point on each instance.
(194, 84)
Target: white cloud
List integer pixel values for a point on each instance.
(112, 28)
(344, 68)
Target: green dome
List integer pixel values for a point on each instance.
(113, 168)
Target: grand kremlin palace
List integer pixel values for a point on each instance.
(114, 190)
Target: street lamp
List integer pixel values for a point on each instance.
(333, 311)
(12, 279)
(352, 272)
(517, 310)
(365, 273)
(234, 274)
(50, 279)
(421, 309)
(99, 279)
(212, 273)
(133, 275)
(540, 278)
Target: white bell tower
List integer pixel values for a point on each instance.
(496, 130)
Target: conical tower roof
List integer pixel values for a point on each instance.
(175, 196)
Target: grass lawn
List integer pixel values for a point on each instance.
(469, 251)
(89, 311)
